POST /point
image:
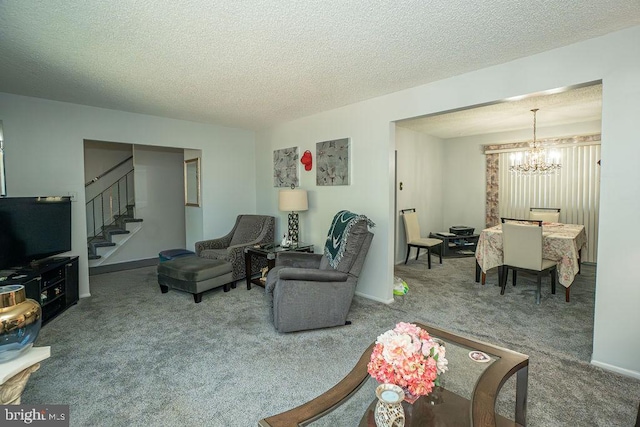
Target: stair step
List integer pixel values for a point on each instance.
(111, 229)
(102, 244)
(131, 219)
(124, 215)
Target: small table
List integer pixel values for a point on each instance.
(270, 253)
(456, 246)
(470, 401)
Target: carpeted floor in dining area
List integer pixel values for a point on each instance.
(131, 356)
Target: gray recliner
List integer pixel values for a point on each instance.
(307, 292)
(249, 230)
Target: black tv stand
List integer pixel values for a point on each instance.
(52, 282)
(39, 264)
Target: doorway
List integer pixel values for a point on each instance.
(442, 167)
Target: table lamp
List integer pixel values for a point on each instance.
(293, 201)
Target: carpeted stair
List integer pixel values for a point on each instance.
(117, 227)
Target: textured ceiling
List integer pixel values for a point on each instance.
(571, 106)
(255, 63)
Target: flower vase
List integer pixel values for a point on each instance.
(409, 397)
(389, 411)
(20, 321)
(435, 397)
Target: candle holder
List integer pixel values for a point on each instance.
(389, 411)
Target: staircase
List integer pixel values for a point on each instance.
(111, 219)
(113, 236)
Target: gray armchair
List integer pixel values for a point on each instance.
(307, 291)
(249, 230)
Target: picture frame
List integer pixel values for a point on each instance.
(285, 167)
(192, 182)
(332, 162)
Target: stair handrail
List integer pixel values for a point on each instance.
(119, 209)
(97, 178)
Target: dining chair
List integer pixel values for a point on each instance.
(545, 214)
(522, 251)
(481, 275)
(537, 222)
(415, 239)
(517, 221)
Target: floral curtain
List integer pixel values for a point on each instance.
(492, 216)
(492, 153)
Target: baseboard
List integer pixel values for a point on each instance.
(130, 265)
(616, 369)
(367, 296)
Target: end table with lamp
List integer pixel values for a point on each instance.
(269, 252)
(293, 201)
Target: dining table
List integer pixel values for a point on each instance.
(560, 242)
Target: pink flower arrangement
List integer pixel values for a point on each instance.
(408, 357)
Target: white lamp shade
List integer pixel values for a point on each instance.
(293, 200)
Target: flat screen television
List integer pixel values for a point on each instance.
(33, 229)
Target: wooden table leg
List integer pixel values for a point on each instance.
(579, 262)
(480, 273)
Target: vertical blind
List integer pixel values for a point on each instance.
(575, 190)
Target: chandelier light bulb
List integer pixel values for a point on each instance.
(536, 161)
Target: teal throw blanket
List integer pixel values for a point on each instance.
(339, 233)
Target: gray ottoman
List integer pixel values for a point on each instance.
(194, 274)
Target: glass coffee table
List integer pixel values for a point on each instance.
(468, 398)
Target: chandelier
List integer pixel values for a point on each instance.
(536, 161)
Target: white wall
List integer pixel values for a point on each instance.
(370, 192)
(420, 170)
(44, 156)
(159, 202)
(465, 185)
(614, 59)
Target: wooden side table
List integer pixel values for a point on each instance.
(270, 253)
(15, 373)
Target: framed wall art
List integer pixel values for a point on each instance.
(285, 167)
(332, 162)
(192, 182)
